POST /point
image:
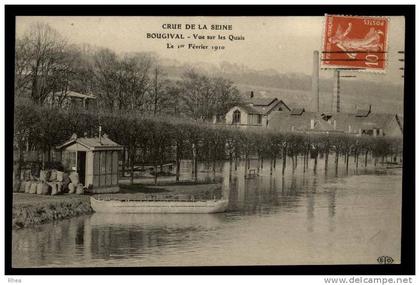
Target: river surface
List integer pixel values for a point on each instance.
(299, 218)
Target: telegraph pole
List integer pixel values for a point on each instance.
(315, 79)
(337, 88)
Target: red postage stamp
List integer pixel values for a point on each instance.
(355, 42)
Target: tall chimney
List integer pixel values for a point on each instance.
(315, 80)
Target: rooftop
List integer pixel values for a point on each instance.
(344, 122)
(73, 94)
(262, 106)
(93, 143)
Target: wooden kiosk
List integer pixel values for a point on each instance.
(95, 160)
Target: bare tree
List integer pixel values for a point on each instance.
(226, 95)
(22, 64)
(121, 83)
(193, 90)
(136, 80)
(159, 91)
(105, 62)
(203, 96)
(41, 59)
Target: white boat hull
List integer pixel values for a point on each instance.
(162, 207)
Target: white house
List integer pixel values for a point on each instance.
(255, 112)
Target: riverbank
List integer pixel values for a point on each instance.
(32, 209)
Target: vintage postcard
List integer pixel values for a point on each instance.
(161, 141)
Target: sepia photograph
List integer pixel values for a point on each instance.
(179, 141)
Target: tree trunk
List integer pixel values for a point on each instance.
(214, 167)
(131, 157)
(258, 163)
(347, 161)
(308, 153)
(49, 154)
(156, 172)
(143, 158)
(327, 153)
(316, 161)
(246, 165)
(284, 160)
(271, 167)
(196, 167)
(336, 161)
(123, 162)
(178, 162)
(293, 163)
(230, 161)
(366, 158)
(357, 158)
(193, 159)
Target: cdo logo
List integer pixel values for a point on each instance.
(385, 260)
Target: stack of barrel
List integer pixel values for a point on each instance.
(51, 182)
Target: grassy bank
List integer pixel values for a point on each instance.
(30, 209)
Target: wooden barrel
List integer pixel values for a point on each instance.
(53, 175)
(28, 186)
(79, 189)
(42, 188)
(32, 190)
(60, 176)
(71, 188)
(74, 177)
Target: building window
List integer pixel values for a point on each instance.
(236, 117)
(259, 119)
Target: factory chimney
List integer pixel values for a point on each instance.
(315, 79)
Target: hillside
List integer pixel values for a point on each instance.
(295, 89)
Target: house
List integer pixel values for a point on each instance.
(299, 120)
(363, 122)
(372, 124)
(72, 99)
(95, 160)
(255, 111)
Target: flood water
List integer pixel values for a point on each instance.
(301, 218)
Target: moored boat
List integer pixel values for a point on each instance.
(162, 206)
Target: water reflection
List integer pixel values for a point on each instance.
(301, 217)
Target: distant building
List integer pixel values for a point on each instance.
(274, 114)
(255, 112)
(299, 120)
(363, 122)
(72, 99)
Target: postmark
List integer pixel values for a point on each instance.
(355, 42)
(385, 260)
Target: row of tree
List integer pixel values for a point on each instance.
(159, 139)
(48, 68)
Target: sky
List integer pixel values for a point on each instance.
(285, 44)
